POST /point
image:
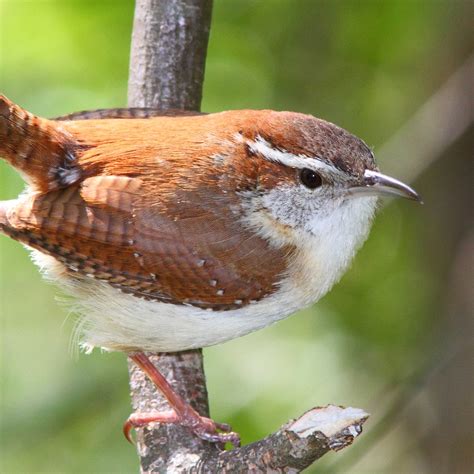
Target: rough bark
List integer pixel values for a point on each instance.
(168, 53)
(169, 45)
(295, 446)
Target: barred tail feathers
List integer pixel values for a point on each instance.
(38, 148)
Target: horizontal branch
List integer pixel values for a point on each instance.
(295, 446)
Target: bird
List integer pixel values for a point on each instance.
(173, 230)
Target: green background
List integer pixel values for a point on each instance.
(398, 323)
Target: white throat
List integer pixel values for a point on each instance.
(325, 244)
(329, 247)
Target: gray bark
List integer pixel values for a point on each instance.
(169, 45)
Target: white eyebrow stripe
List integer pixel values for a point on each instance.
(260, 145)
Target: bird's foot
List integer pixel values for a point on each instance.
(205, 428)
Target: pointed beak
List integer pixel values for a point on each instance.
(375, 183)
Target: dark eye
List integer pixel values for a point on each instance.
(310, 178)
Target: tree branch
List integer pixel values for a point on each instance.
(296, 445)
(169, 44)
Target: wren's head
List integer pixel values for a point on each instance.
(317, 179)
(317, 188)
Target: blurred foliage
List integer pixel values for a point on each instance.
(365, 65)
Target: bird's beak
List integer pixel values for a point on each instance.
(375, 183)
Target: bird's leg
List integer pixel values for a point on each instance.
(182, 412)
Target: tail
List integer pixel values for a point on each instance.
(5, 207)
(38, 148)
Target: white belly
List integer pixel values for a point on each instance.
(115, 320)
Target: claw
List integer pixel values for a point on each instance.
(207, 429)
(138, 420)
(223, 427)
(221, 438)
(127, 431)
(234, 439)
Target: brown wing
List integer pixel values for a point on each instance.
(198, 254)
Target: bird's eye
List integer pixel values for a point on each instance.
(310, 178)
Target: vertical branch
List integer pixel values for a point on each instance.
(169, 44)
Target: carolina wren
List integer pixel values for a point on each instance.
(175, 230)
